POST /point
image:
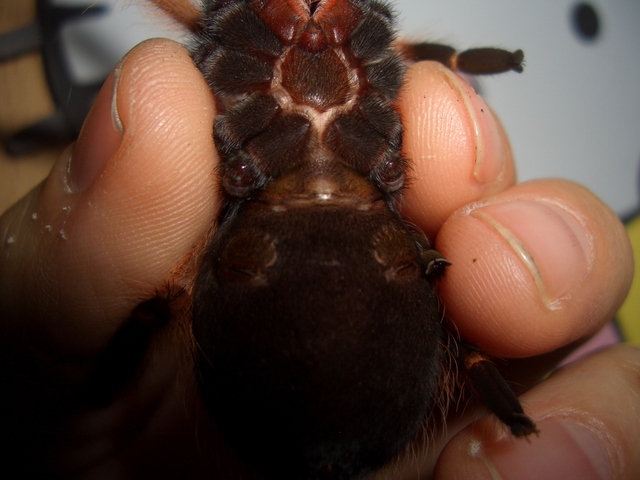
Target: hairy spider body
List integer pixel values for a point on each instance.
(320, 339)
(299, 304)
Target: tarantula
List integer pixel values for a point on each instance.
(321, 346)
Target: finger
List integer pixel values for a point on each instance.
(117, 211)
(534, 268)
(588, 425)
(458, 150)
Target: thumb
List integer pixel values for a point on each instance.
(116, 213)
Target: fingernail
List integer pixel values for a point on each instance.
(562, 450)
(99, 138)
(548, 239)
(489, 159)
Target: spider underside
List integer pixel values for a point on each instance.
(320, 342)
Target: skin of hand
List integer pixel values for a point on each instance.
(537, 268)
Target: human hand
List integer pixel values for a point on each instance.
(82, 249)
(537, 268)
(126, 205)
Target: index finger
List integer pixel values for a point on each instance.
(458, 150)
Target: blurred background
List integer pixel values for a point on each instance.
(573, 113)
